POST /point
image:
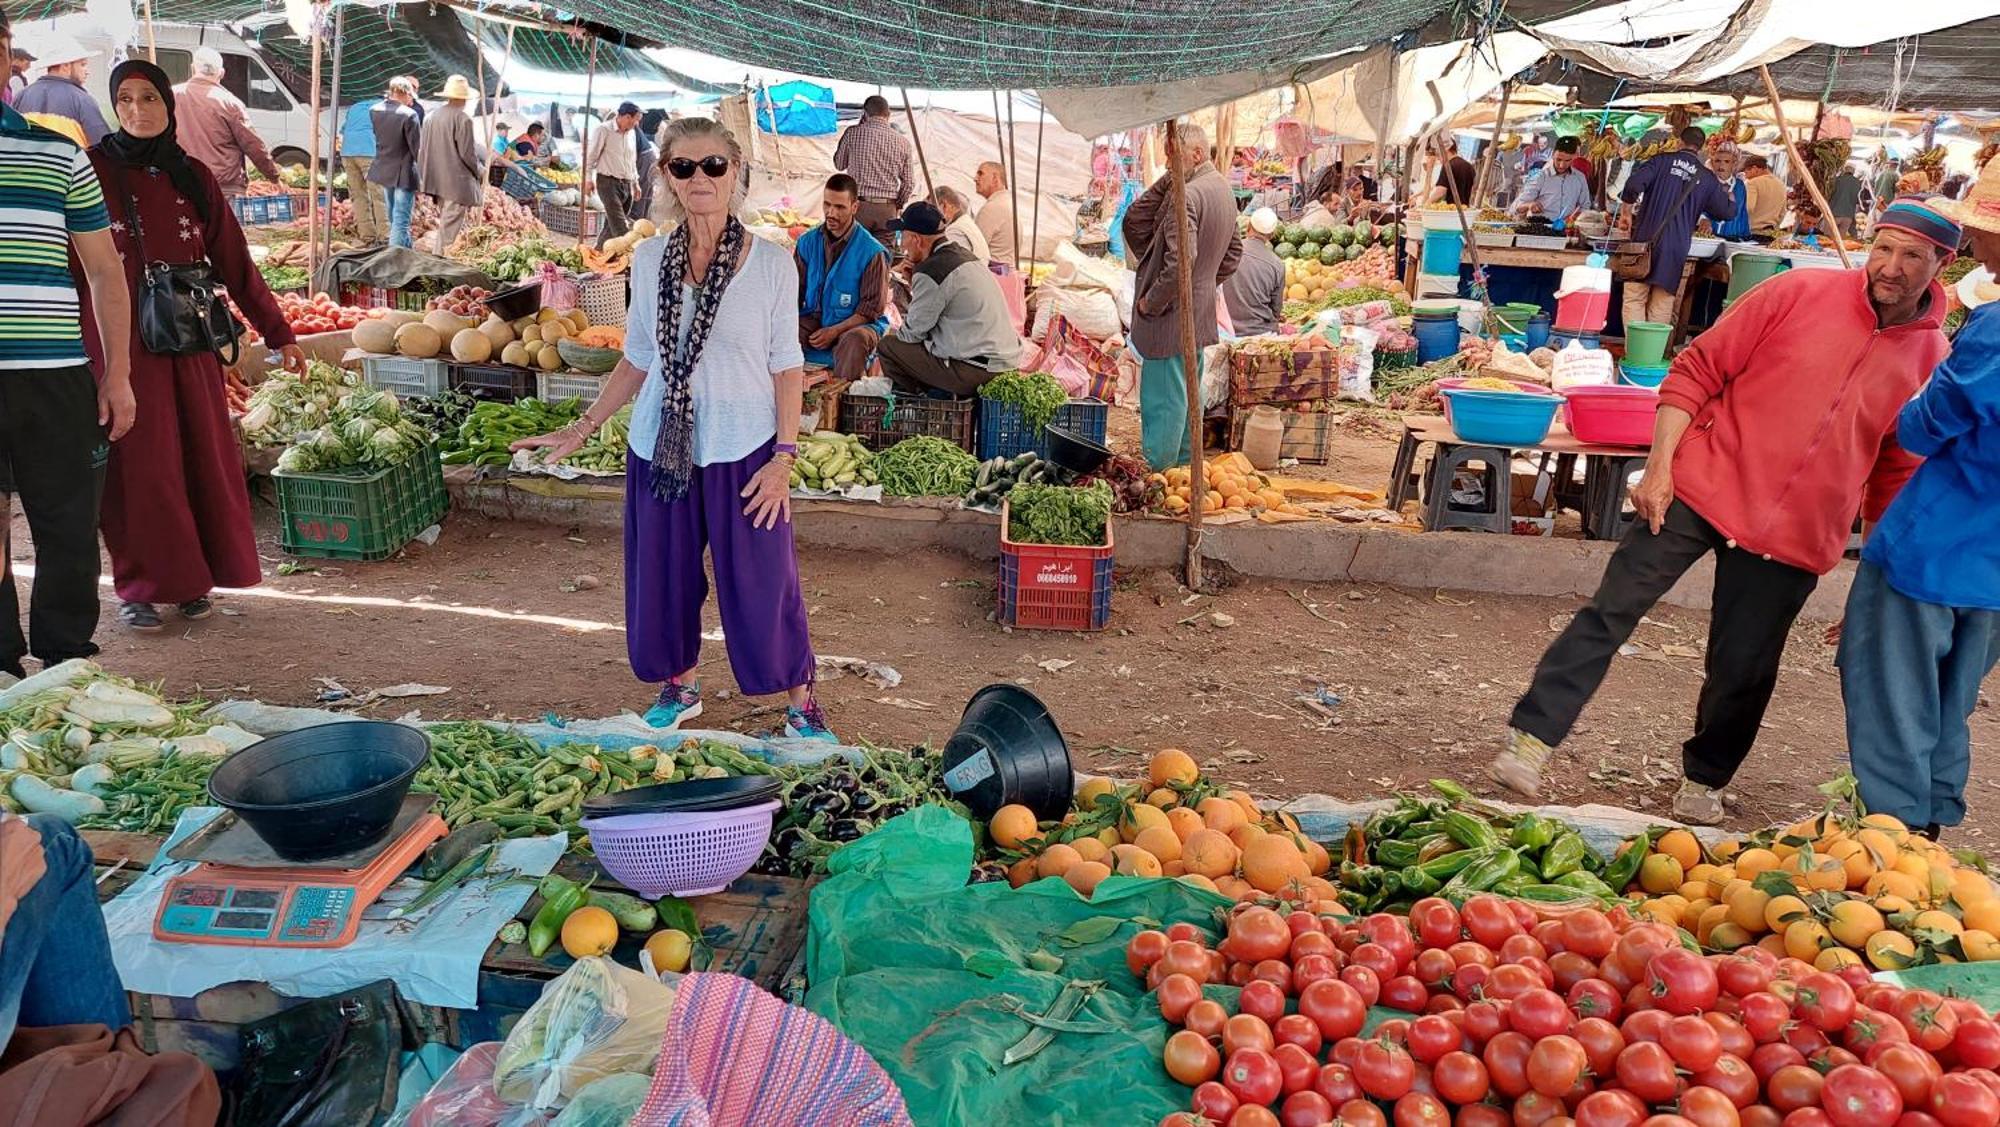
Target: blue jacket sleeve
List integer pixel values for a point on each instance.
(1962, 393)
(1640, 180)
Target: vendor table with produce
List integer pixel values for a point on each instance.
(1525, 275)
(1601, 499)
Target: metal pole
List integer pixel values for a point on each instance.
(917, 140)
(1805, 170)
(1035, 230)
(589, 115)
(312, 165)
(333, 115)
(1013, 182)
(1190, 355)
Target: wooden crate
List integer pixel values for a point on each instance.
(1308, 435)
(1292, 377)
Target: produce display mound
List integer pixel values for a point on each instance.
(360, 516)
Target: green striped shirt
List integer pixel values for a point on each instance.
(48, 191)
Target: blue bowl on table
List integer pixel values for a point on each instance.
(1642, 375)
(1501, 418)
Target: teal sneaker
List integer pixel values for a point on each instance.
(677, 705)
(808, 723)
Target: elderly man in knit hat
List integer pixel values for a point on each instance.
(1923, 617)
(1774, 428)
(1255, 294)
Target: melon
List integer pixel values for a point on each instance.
(447, 323)
(555, 331)
(470, 346)
(1329, 255)
(1355, 251)
(418, 341)
(1340, 236)
(1309, 250)
(1364, 232)
(532, 335)
(518, 355)
(397, 318)
(586, 358)
(578, 321)
(546, 315)
(548, 359)
(499, 332)
(375, 335)
(1285, 250)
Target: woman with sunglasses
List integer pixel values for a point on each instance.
(712, 354)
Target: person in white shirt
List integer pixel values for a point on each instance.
(614, 163)
(960, 227)
(996, 215)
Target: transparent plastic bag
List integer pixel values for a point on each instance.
(596, 1019)
(464, 1096)
(609, 1101)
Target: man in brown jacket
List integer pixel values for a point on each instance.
(1154, 237)
(214, 127)
(451, 165)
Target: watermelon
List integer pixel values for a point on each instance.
(1321, 235)
(1309, 250)
(1364, 232)
(1328, 255)
(1355, 251)
(1292, 233)
(1285, 250)
(1388, 235)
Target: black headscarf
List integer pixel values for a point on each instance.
(163, 152)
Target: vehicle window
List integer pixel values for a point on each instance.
(178, 64)
(246, 78)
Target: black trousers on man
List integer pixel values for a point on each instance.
(1754, 604)
(914, 371)
(52, 454)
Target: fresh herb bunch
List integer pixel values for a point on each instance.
(1056, 514)
(1037, 394)
(925, 466)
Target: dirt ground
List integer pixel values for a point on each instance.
(1348, 690)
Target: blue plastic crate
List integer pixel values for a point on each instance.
(262, 211)
(1004, 433)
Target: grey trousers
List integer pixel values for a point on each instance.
(616, 195)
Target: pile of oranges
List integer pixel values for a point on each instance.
(1177, 824)
(1233, 483)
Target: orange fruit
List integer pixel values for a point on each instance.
(1890, 950)
(1085, 876)
(1161, 842)
(1273, 864)
(1979, 946)
(1235, 888)
(1318, 860)
(1660, 874)
(1242, 798)
(1833, 958)
(1198, 881)
(1133, 861)
(1163, 797)
(1246, 833)
(1092, 788)
(1173, 869)
(1023, 871)
(590, 930)
(1222, 814)
(1982, 915)
(671, 950)
(1057, 859)
(1851, 922)
(1209, 853)
(1140, 816)
(1682, 846)
(1011, 825)
(1728, 936)
(1090, 849)
(1750, 862)
(1184, 821)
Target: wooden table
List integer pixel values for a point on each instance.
(1539, 260)
(1600, 500)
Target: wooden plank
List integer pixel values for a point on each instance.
(113, 846)
(1433, 428)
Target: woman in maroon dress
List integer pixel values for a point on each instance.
(176, 513)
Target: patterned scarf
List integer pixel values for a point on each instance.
(673, 450)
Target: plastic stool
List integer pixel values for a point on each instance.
(1606, 486)
(1496, 515)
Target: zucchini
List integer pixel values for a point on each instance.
(456, 846)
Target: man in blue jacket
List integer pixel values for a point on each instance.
(843, 285)
(1923, 618)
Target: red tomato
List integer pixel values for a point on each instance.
(1335, 1007)
(1913, 1072)
(1443, 1004)
(1274, 971)
(1571, 968)
(1483, 1020)
(1300, 1030)
(1522, 946)
(1359, 1113)
(1858, 1096)
(1377, 958)
(1176, 994)
(1252, 1076)
(1417, 1109)
(1539, 1013)
(1764, 1014)
(1436, 921)
(1509, 981)
(1404, 992)
(1460, 1078)
(1190, 1059)
(1917, 1119)
(1181, 1119)
(1535, 1109)
(1637, 946)
(1145, 949)
(1250, 1115)
(1395, 1031)
(1391, 931)
(1241, 974)
(1827, 1001)
(1807, 1117)
(1830, 1058)
(1594, 997)
(1432, 1037)
(1301, 921)
(1482, 1115)
(1762, 1115)
(1365, 982)
(1930, 1023)
(1730, 1075)
(1336, 1082)
(1186, 931)
(1792, 1087)
(1588, 933)
(1611, 1107)
(1246, 1031)
(1741, 974)
(1305, 1109)
(1258, 933)
(1958, 1100)
(1297, 1069)
(1471, 952)
(1384, 1070)
(1214, 1102)
(1314, 968)
(1556, 1066)
(1601, 1042)
(1185, 957)
(1805, 1037)
(1506, 1060)
(1735, 1039)
(1314, 942)
(1692, 1041)
(1647, 1071)
(1681, 982)
(1261, 999)
(1207, 1017)
(1977, 1044)
(1489, 920)
(1645, 1025)
(1468, 982)
(1433, 966)
(1706, 1107)
(1768, 1059)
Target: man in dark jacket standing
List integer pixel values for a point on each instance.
(1678, 190)
(1154, 237)
(397, 139)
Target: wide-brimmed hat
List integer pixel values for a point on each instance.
(1981, 206)
(60, 50)
(456, 89)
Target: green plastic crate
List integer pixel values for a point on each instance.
(360, 516)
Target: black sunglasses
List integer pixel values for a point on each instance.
(682, 168)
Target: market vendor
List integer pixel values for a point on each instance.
(1559, 190)
(1761, 459)
(958, 332)
(1670, 194)
(843, 285)
(1726, 161)
(1764, 195)
(712, 356)
(1923, 616)
(1255, 294)
(960, 226)
(450, 165)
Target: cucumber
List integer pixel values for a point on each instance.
(632, 913)
(456, 846)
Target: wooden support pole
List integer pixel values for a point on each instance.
(312, 163)
(152, 42)
(917, 140)
(333, 115)
(499, 80)
(1013, 182)
(1493, 146)
(590, 116)
(1805, 170)
(1190, 355)
(1035, 230)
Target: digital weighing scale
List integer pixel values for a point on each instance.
(243, 894)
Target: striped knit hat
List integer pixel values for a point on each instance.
(1921, 216)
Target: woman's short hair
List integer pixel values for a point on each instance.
(666, 205)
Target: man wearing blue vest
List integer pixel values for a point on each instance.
(843, 285)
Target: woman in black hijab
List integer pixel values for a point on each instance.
(176, 514)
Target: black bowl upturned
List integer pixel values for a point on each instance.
(1074, 452)
(516, 302)
(322, 791)
(1007, 749)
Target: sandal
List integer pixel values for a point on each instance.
(195, 610)
(139, 616)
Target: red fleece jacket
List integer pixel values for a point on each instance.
(1794, 394)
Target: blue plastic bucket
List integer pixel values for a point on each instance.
(1516, 342)
(1437, 337)
(1642, 375)
(1538, 331)
(1560, 340)
(1442, 250)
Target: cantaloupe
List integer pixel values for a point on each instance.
(555, 331)
(375, 335)
(518, 355)
(499, 332)
(544, 316)
(418, 341)
(447, 323)
(548, 358)
(532, 335)
(578, 321)
(471, 346)
(397, 318)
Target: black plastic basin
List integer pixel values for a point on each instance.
(1074, 452)
(1008, 749)
(322, 791)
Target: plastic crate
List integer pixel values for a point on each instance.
(554, 387)
(503, 382)
(1003, 432)
(580, 222)
(603, 300)
(1306, 439)
(524, 183)
(405, 376)
(375, 297)
(881, 423)
(261, 211)
(1051, 586)
(359, 516)
(302, 199)
(1542, 242)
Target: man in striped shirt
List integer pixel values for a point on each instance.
(57, 420)
(878, 158)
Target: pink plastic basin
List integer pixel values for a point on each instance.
(1615, 415)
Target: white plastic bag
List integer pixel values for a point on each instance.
(595, 1020)
(1577, 366)
(1357, 363)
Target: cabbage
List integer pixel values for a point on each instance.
(385, 409)
(297, 459)
(391, 446)
(358, 430)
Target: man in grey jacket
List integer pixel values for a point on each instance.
(1255, 294)
(1152, 234)
(397, 128)
(958, 333)
(451, 165)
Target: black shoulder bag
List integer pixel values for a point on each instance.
(1633, 261)
(181, 311)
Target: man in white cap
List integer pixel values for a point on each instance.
(1255, 294)
(451, 165)
(59, 91)
(214, 127)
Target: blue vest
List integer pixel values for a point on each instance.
(1739, 227)
(832, 295)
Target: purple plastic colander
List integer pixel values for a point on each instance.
(690, 854)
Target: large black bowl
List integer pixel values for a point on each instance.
(1009, 749)
(322, 791)
(1074, 452)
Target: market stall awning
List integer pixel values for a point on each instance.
(1393, 97)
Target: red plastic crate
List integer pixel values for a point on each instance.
(1053, 586)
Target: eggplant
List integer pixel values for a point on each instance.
(829, 802)
(846, 829)
(864, 802)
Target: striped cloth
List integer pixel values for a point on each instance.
(48, 191)
(735, 1056)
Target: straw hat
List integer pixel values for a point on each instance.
(456, 89)
(1981, 206)
(56, 52)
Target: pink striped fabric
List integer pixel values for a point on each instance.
(735, 1056)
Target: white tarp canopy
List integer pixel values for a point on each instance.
(1392, 97)
(1094, 111)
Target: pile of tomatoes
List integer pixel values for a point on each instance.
(1585, 1019)
(319, 314)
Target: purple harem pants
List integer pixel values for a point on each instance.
(756, 578)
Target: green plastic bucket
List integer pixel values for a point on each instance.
(1646, 343)
(1746, 270)
(1511, 319)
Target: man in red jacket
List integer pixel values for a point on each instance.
(1774, 428)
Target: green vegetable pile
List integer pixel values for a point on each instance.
(1037, 394)
(286, 277)
(925, 467)
(482, 439)
(510, 261)
(366, 430)
(826, 806)
(1056, 514)
(285, 405)
(1295, 312)
(828, 461)
(997, 477)
(441, 414)
(1455, 845)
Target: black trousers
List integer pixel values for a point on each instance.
(53, 454)
(1754, 605)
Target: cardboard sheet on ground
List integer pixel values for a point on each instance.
(434, 961)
